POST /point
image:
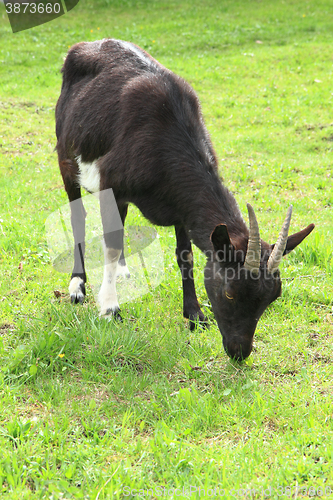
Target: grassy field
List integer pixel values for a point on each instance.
(146, 408)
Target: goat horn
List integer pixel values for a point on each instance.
(280, 246)
(253, 253)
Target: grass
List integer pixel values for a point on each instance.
(97, 410)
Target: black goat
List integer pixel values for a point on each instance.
(125, 122)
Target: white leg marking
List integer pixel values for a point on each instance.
(108, 294)
(75, 290)
(123, 271)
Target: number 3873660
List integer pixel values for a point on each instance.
(32, 8)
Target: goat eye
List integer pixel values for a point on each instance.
(229, 297)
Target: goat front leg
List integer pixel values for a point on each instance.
(108, 293)
(77, 289)
(191, 308)
(113, 245)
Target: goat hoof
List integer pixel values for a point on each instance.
(110, 314)
(77, 290)
(198, 321)
(77, 299)
(118, 317)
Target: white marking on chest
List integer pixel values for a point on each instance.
(89, 176)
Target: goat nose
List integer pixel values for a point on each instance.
(238, 350)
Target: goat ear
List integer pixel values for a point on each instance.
(221, 242)
(295, 239)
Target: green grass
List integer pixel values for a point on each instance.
(93, 410)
